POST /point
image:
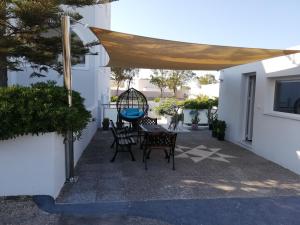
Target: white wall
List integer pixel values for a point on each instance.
(86, 137)
(35, 165)
(275, 134)
(32, 165)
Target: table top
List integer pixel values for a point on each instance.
(153, 128)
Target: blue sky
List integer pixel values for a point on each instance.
(247, 23)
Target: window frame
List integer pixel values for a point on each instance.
(269, 97)
(276, 96)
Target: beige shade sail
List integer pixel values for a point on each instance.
(132, 51)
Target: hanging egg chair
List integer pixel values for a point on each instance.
(132, 105)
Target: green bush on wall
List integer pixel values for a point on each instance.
(202, 102)
(113, 98)
(41, 108)
(168, 107)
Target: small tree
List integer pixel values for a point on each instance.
(207, 79)
(178, 78)
(119, 75)
(159, 79)
(129, 74)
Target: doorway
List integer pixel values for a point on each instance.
(250, 99)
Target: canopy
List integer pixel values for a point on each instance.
(132, 51)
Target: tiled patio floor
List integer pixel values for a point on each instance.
(214, 183)
(205, 168)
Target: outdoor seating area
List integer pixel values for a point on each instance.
(205, 169)
(149, 134)
(110, 119)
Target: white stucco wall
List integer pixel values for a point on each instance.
(32, 165)
(275, 134)
(35, 165)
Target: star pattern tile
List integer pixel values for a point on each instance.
(202, 152)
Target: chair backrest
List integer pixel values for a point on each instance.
(162, 139)
(148, 121)
(113, 129)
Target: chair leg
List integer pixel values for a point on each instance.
(145, 158)
(142, 144)
(129, 149)
(115, 155)
(173, 157)
(148, 154)
(144, 153)
(167, 156)
(113, 144)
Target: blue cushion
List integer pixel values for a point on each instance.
(131, 110)
(131, 115)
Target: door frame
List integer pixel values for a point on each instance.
(248, 106)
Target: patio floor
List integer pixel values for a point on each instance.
(205, 169)
(214, 183)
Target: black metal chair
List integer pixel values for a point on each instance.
(145, 121)
(165, 141)
(123, 142)
(123, 132)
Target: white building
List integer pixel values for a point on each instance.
(35, 165)
(210, 90)
(260, 103)
(89, 78)
(191, 90)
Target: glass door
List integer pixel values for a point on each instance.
(250, 107)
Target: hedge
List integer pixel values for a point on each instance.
(114, 98)
(200, 103)
(39, 109)
(168, 107)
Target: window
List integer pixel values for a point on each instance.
(287, 96)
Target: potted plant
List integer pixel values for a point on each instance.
(221, 127)
(212, 111)
(105, 124)
(214, 127)
(195, 120)
(172, 109)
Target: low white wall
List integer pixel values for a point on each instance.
(87, 135)
(275, 134)
(188, 117)
(35, 165)
(32, 165)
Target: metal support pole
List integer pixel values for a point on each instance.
(69, 148)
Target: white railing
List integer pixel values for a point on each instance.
(109, 111)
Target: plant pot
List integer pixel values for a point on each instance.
(194, 126)
(105, 126)
(214, 133)
(221, 136)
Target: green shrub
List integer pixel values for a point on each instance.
(202, 102)
(113, 98)
(38, 109)
(156, 99)
(169, 107)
